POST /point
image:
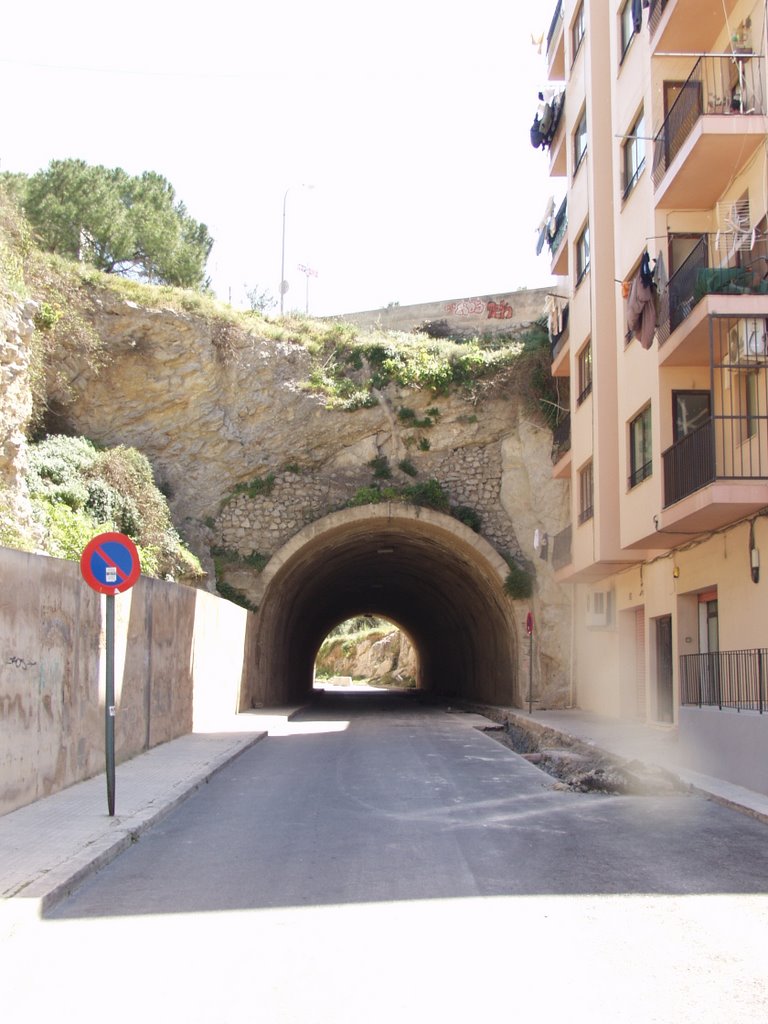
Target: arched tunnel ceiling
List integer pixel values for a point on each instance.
(424, 571)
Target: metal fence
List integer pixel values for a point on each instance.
(717, 85)
(725, 679)
(561, 549)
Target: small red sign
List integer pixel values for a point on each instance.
(529, 624)
(110, 563)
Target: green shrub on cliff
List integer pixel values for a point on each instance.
(79, 490)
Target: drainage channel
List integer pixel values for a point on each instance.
(575, 765)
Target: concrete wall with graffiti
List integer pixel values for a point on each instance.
(476, 316)
(180, 659)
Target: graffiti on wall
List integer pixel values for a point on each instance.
(477, 307)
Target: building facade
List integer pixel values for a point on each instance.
(656, 133)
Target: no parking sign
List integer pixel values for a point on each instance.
(110, 563)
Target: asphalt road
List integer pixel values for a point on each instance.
(385, 860)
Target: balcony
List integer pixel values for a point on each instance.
(714, 126)
(716, 472)
(556, 46)
(705, 286)
(561, 549)
(558, 330)
(687, 25)
(561, 448)
(558, 242)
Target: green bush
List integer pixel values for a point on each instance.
(519, 582)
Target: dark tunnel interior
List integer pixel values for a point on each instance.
(429, 574)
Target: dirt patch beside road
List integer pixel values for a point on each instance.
(576, 765)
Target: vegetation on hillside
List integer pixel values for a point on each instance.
(79, 490)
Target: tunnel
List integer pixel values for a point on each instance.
(432, 576)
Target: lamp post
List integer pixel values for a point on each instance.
(283, 282)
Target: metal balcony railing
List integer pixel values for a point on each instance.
(717, 85)
(561, 439)
(725, 679)
(655, 12)
(561, 226)
(561, 549)
(556, 341)
(705, 272)
(553, 26)
(689, 464)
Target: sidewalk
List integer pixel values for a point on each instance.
(49, 846)
(635, 741)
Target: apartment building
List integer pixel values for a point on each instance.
(654, 126)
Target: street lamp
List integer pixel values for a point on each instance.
(283, 282)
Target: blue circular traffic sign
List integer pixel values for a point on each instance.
(110, 563)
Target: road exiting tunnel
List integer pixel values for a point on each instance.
(428, 573)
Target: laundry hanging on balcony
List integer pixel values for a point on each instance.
(641, 304)
(637, 12)
(548, 226)
(547, 119)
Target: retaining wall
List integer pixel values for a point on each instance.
(181, 660)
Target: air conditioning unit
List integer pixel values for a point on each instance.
(748, 342)
(599, 608)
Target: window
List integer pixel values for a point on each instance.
(585, 372)
(577, 30)
(640, 448)
(582, 255)
(586, 493)
(633, 154)
(690, 410)
(580, 141)
(626, 28)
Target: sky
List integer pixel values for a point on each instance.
(409, 120)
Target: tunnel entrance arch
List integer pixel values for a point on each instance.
(443, 583)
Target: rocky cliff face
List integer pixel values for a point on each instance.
(248, 457)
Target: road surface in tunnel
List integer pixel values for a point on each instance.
(384, 859)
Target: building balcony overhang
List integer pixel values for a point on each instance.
(690, 343)
(687, 25)
(557, 152)
(703, 167)
(710, 508)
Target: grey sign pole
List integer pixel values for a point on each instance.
(109, 705)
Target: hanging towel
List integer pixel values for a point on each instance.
(660, 276)
(637, 14)
(641, 312)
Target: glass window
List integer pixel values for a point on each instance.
(691, 410)
(585, 372)
(634, 154)
(626, 26)
(640, 447)
(586, 493)
(580, 141)
(582, 255)
(578, 29)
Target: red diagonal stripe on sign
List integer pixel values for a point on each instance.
(102, 554)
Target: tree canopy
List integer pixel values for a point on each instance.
(122, 224)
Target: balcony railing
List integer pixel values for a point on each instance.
(657, 8)
(561, 549)
(702, 273)
(561, 439)
(561, 226)
(725, 679)
(689, 464)
(556, 341)
(717, 85)
(553, 27)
